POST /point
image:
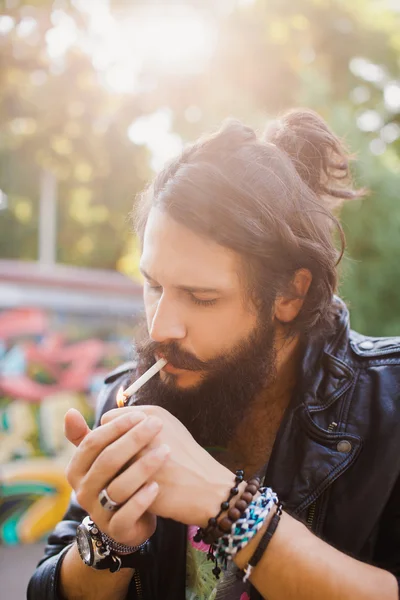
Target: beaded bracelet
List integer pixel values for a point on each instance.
(236, 512)
(246, 527)
(241, 505)
(215, 530)
(207, 535)
(262, 546)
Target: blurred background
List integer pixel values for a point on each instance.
(95, 95)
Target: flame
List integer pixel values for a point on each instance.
(120, 397)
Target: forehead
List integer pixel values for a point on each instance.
(173, 253)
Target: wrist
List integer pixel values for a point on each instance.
(216, 494)
(101, 552)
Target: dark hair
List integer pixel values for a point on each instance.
(269, 199)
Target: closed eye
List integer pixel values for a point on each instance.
(199, 302)
(153, 286)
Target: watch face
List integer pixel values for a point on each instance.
(85, 547)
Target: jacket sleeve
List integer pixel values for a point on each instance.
(44, 581)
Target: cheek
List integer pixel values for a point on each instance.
(220, 330)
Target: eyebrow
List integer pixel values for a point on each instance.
(187, 288)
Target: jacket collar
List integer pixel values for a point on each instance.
(324, 373)
(308, 455)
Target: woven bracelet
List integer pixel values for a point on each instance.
(246, 527)
(262, 546)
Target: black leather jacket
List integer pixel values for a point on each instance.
(335, 464)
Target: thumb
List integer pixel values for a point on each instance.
(75, 426)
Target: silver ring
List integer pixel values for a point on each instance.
(106, 501)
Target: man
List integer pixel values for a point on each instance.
(263, 371)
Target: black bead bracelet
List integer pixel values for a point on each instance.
(207, 535)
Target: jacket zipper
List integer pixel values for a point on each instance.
(311, 514)
(138, 585)
(311, 511)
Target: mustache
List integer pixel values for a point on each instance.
(176, 356)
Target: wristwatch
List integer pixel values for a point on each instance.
(98, 551)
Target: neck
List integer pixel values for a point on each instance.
(287, 363)
(252, 443)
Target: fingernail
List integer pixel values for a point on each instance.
(152, 488)
(162, 451)
(153, 424)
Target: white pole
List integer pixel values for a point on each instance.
(47, 219)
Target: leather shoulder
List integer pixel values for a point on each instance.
(126, 367)
(375, 347)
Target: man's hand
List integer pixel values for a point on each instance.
(192, 484)
(103, 459)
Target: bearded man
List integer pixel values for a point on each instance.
(263, 375)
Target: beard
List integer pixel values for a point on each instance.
(213, 409)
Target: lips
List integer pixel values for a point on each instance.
(171, 369)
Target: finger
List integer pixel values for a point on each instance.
(117, 412)
(141, 530)
(125, 485)
(75, 426)
(114, 457)
(92, 445)
(122, 526)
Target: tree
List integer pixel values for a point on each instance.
(56, 115)
(337, 57)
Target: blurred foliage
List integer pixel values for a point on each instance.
(340, 58)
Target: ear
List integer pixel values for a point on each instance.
(288, 307)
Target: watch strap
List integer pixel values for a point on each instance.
(106, 550)
(109, 563)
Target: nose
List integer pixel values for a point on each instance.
(166, 324)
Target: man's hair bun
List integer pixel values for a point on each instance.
(319, 156)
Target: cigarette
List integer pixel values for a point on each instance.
(136, 385)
